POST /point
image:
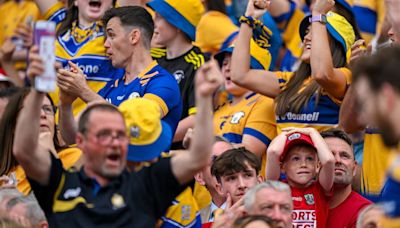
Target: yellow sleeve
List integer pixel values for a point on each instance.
(53, 10)
(159, 100)
(69, 157)
(213, 30)
(283, 78)
(261, 123)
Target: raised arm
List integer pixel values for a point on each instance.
(274, 152)
(322, 70)
(348, 115)
(45, 5)
(186, 165)
(34, 159)
(260, 81)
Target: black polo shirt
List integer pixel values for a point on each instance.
(72, 199)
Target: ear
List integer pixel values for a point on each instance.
(134, 36)
(260, 179)
(355, 168)
(79, 139)
(318, 168)
(387, 96)
(199, 178)
(220, 189)
(283, 168)
(76, 3)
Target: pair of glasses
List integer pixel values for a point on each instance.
(48, 109)
(106, 137)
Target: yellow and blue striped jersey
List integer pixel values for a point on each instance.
(184, 212)
(321, 114)
(369, 15)
(375, 163)
(254, 116)
(154, 83)
(215, 32)
(84, 47)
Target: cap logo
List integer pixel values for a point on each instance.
(294, 136)
(135, 132)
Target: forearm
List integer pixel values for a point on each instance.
(89, 96)
(183, 126)
(67, 123)
(27, 127)
(325, 155)
(45, 5)
(240, 65)
(273, 170)
(321, 57)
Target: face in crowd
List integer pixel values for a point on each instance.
(236, 184)
(345, 165)
(105, 145)
(300, 165)
(274, 204)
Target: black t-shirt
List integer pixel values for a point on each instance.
(72, 199)
(183, 68)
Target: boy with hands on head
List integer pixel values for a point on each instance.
(308, 164)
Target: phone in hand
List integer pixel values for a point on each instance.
(44, 37)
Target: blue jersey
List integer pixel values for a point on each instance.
(154, 83)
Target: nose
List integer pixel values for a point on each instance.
(391, 32)
(337, 158)
(276, 214)
(241, 182)
(42, 114)
(107, 43)
(307, 37)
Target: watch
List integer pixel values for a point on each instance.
(318, 18)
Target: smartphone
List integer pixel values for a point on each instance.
(44, 37)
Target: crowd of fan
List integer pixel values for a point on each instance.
(201, 113)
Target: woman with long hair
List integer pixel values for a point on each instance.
(48, 138)
(310, 96)
(80, 40)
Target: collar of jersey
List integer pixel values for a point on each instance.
(147, 69)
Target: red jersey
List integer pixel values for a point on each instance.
(310, 206)
(345, 214)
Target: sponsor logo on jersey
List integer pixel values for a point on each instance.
(72, 193)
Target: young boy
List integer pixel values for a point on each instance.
(236, 171)
(308, 164)
(175, 29)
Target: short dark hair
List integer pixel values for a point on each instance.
(85, 115)
(234, 161)
(135, 16)
(337, 133)
(383, 67)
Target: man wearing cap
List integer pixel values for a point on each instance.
(103, 193)
(308, 164)
(175, 29)
(129, 31)
(345, 204)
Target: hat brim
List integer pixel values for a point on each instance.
(293, 143)
(331, 30)
(142, 153)
(173, 17)
(254, 63)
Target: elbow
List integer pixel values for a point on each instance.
(19, 153)
(330, 162)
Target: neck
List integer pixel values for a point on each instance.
(179, 46)
(90, 173)
(217, 199)
(84, 23)
(139, 61)
(340, 194)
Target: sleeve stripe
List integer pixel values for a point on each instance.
(159, 100)
(263, 138)
(192, 111)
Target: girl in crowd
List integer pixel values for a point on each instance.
(310, 96)
(80, 40)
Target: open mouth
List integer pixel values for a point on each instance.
(114, 159)
(95, 3)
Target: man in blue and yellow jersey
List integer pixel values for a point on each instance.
(377, 86)
(175, 29)
(129, 31)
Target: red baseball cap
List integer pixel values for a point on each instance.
(296, 139)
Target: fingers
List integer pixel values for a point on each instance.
(75, 68)
(36, 65)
